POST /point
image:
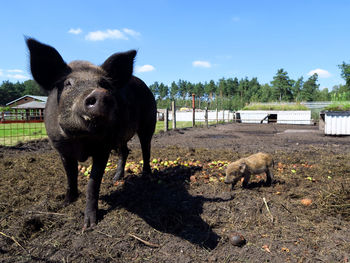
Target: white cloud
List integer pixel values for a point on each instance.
(14, 70)
(107, 34)
(75, 31)
(112, 34)
(16, 76)
(201, 64)
(320, 72)
(13, 74)
(144, 68)
(131, 32)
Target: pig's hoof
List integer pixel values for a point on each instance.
(89, 220)
(70, 198)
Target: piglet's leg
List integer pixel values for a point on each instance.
(246, 180)
(93, 189)
(269, 177)
(235, 180)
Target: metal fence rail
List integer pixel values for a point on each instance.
(20, 127)
(16, 128)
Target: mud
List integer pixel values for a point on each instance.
(184, 212)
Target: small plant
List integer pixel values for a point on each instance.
(339, 106)
(339, 102)
(283, 107)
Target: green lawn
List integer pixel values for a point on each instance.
(182, 124)
(179, 125)
(12, 133)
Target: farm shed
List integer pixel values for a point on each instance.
(25, 99)
(33, 110)
(274, 116)
(26, 108)
(335, 122)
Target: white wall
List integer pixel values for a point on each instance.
(199, 116)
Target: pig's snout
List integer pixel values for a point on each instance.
(97, 103)
(227, 181)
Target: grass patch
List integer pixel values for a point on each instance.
(12, 133)
(339, 106)
(179, 125)
(283, 107)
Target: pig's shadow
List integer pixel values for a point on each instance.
(165, 204)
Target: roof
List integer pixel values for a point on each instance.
(31, 105)
(40, 98)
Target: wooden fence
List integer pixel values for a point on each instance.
(194, 116)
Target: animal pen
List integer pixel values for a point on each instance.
(21, 126)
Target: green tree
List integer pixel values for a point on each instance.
(155, 89)
(210, 88)
(296, 88)
(341, 91)
(163, 91)
(324, 95)
(199, 91)
(254, 90)
(174, 90)
(243, 87)
(310, 89)
(32, 88)
(10, 91)
(282, 85)
(345, 73)
(232, 87)
(222, 88)
(266, 93)
(182, 84)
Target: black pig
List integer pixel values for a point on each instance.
(90, 111)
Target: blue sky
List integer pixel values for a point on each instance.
(189, 40)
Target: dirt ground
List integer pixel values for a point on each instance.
(185, 213)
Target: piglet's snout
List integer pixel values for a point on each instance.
(227, 181)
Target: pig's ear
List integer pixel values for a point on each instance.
(242, 167)
(46, 64)
(119, 67)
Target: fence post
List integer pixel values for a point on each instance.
(206, 117)
(166, 119)
(217, 115)
(193, 110)
(173, 106)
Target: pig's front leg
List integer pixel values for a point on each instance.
(71, 167)
(93, 189)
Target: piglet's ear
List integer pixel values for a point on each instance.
(242, 167)
(119, 67)
(46, 64)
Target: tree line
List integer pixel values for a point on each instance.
(226, 93)
(234, 93)
(10, 91)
